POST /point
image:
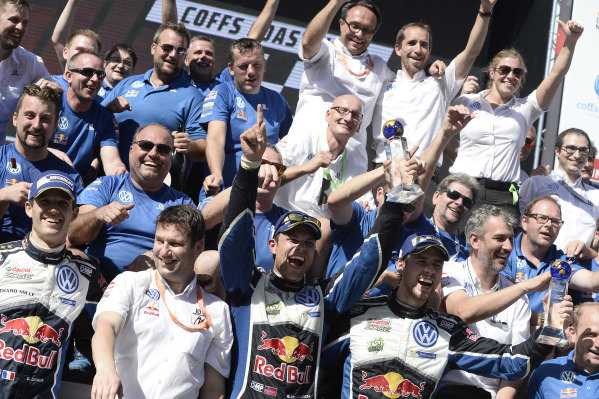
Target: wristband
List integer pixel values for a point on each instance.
(249, 165)
(485, 13)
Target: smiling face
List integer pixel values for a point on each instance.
(421, 274)
(14, 22)
(355, 39)
(78, 44)
(506, 84)
(168, 65)
(200, 60)
(572, 164)
(344, 126)
(118, 66)
(537, 234)
(149, 168)
(414, 50)
(85, 88)
(294, 252)
(493, 249)
(35, 123)
(448, 212)
(247, 69)
(175, 254)
(51, 214)
(586, 338)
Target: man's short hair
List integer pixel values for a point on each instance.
(178, 28)
(366, 4)
(531, 204)
(187, 216)
(559, 142)
(402, 32)
(75, 57)
(580, 309)
(202, 38)
(463, 179)
(123, 47)
(15, 3)
(46, 94)
(478, 221)
(158, 125)
(242, 45)
(592, 152)
(87, 33)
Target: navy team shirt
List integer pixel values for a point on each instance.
(117, 246)
(16, 223)
(81, 134)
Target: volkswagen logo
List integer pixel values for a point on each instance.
(425, 334)
(63, 123)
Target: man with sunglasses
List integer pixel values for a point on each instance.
(280, 319)
(84, 126)
(578, 200)
(117, 213)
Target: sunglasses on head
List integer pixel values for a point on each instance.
(505, 70)
(456, 195)
(89, 72)
(529, 142)
(146, 145)
(299, 217)
(279, 166)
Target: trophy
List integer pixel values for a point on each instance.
(552, 332)
(178, 167)
(403, 188)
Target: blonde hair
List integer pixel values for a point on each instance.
(506, 53)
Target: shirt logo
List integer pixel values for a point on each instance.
(15, 72)
(63, 123)
(14, 171)
(137, 84)
(60, 139)
(567, 376)
(211, 95)
(242, 115)
(126, 197)
(153, 293)
(67, 279)
(553, 186)
(474, 106)
(425, 334)
(239, 102)
(308, 297)
(131, 93)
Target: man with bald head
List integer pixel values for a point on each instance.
(323, 157)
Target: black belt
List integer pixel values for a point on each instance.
(494, 184)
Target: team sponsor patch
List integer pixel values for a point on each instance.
(446, 324)
(206, 114)
(8, 375)
(274, 308)
(553, 186)
(125, 197)
(471, 335)
(153, 293)
(425, 334)
(198, 317)
(60, 139)
(568, 393)
(67, 279)
(208, 106)
(568, 376)
(151, 310)
(241, 115)
(132, 93)
(381, 325)
(137, 84)
(67, 301)
(211, 95)
(15, 168)
(308, 297)
(11, 182)
(63, 123)
(445, 280)
(376, 345)
(423, 355)
(240, 103)
(475, 106)
(86, 270)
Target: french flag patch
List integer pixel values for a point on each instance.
(8, 375)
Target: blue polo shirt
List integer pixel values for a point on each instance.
(174, 104)
(62, 82)
(81, 134)
(206, 87)
(519, 268)
(226, 103)
(104, 90)
(16, 223)
(117, 246)
(561, 378)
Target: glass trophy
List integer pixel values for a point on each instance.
(552, 332)
(403, 188)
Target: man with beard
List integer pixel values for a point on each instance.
(162, 95)
(117, 213)
(18, 67)
(24, 160)
(492, 306)
(84, 125)
(579, 201)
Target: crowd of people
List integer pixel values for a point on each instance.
(285, 263)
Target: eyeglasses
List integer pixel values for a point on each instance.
(279, 166)
(529, 142)
(542, 219)
(344, 111)
(505, 70)
(294, 217)
(355, 28)
(456, 195)
(571, 150)
(118, 60)
(168, 48)
(146, 145)
(89, 72)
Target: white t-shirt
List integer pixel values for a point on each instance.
(419, 104)
(511, 326)
(490, 144)
(156, 358)
(325, 78)
(20, 69)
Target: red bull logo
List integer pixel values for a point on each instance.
(289, 349)
(568, 393)
(60, 139)
(392, 385)
(32, 329)
(520, 277)
(11, 182)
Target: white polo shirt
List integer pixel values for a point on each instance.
(419, 104)
(20, 69)
(511, 326)
(327, 76)
(579, 203)
(156, 358)
(490, 144)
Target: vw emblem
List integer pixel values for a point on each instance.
(125, 197)
(308, 297)
(474, 106)
(553, 186)
(137, 84)
(239, 102)
(14, 171)
(63, 123)
(67, 279)
(425, 334)
(153, 293)
(568, 376)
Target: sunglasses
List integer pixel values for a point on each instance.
(529, 142)
(146, 145)
(89, 72)
(279, 166)
(168, 48)
(505, 70)
(456, 195)
(299, 218)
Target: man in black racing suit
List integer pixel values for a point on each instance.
(43, 288)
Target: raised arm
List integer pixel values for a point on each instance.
(262, 23)
(318, 28)
(107, 382)
(320, 160)
(215, 155)
(465, 60)
(169, 11)
(548, 87)
(62, 30)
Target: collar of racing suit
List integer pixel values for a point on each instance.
(41, 256)
(405, 311)
(286, 285)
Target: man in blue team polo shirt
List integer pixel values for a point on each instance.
(163, 95)
(575, 375)
(23, 161)
(117, 213)
(84, 126)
